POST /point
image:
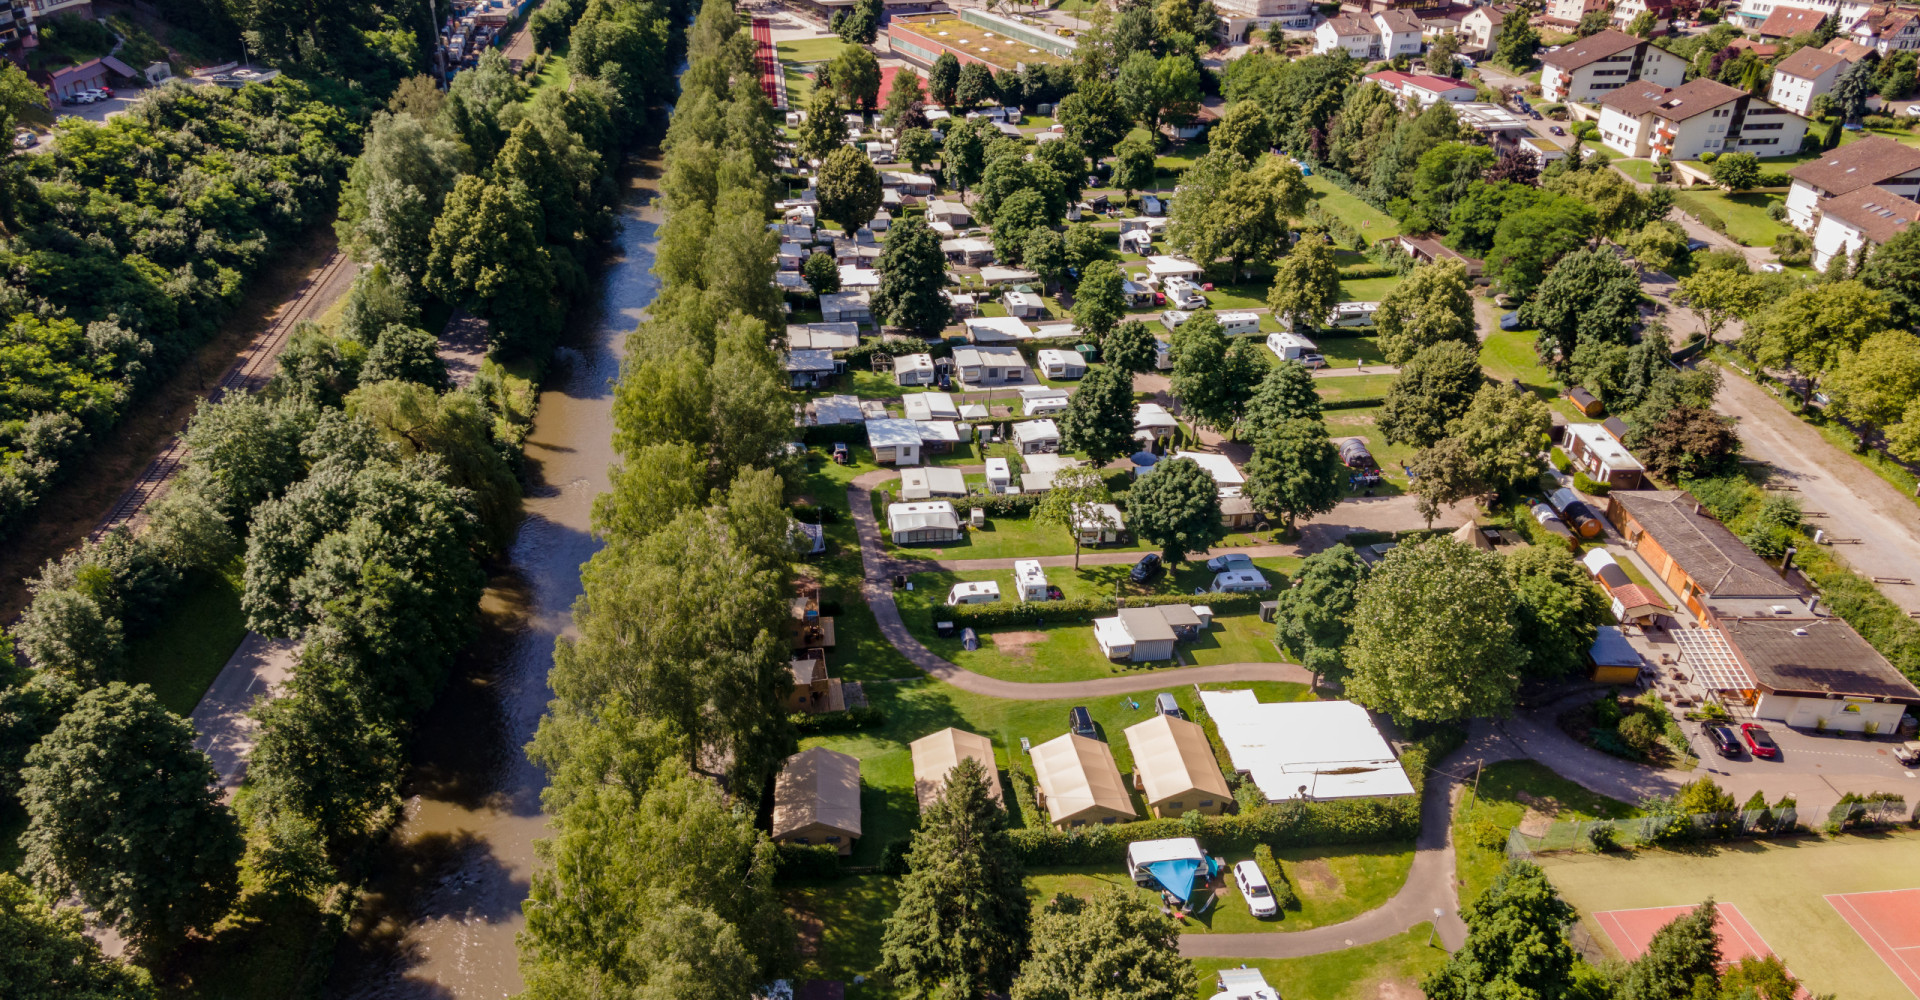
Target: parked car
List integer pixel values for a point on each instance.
(1148, 569)
(840, 452)
(1556, 130)
(1164, 704)
(1908, 753)
(1232, 560)
(1759, 741)
(106, 93)
(24, 139)
(79, 97)
(1080, 723)
(1312, 360)
(1723, 740)
(1253, 885)
(1693, 245)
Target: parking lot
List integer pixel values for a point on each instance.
(1802, 752)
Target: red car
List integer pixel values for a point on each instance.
(1758, 741)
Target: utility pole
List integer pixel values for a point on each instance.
(1477, 765)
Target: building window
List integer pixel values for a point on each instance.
(833, 840)
(1176, 805)
(1206, 803)
(1109, 821)
(801, 840)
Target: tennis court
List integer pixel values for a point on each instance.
(1889, 922)
(1630, 930)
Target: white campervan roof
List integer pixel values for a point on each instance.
(1146, 852)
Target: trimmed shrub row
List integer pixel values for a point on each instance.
(1283, 895)
(808, 724)
(794, 862)
(1000, 614)
(1357, 403)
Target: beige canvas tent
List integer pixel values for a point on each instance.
(1174, 766)
(1080, 783)
(936, 754)
(1470, 534)
(816, 799)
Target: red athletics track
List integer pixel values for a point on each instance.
(1630, 930)
(1890, 924)
(764, 56)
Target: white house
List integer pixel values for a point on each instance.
(1239, 18)
(1887, 30)
(1062, 364)
(1025, 305)
(1700, 116)
(894, 441)
(1875, 161)
(1584, 70)
(1864, 215)
(847, 307)
(987, 366)
(1567, 13)
(1416, 90)
(1034, 437)
(1480, 29)
(930, 406)
(928, 521)
(1153, 420)
(1803, 76)
(1354, 32)
(913, 369)
(1400, 33)
(1625, 12)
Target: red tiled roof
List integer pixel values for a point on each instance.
(1590, 49)
(1875, 211)
(1786, 21)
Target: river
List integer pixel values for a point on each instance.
(440, 917)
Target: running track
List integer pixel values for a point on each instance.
(1890, 924)
(763, 56)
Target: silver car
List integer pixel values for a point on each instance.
(1230, 561)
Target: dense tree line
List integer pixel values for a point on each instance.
(667, 720)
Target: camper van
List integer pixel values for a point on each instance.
(1030, 580)
(1353, 314)
(1236, 323)
(1291, 346)
(1183, 293)
(1176, 859)
(973, 592)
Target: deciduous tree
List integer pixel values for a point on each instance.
(1557, 609)
(45, 953)
(1177, 507)
(1134, 165)
(1099, 417)
(1306, 283)
(1678, 956)
(1287, 393)
(1504, 431)
(1315, 616)
(1433, 635)
(1094, 117)
(1433, 388)
(1295, 471)
(1131, 347)
(913, 273)
(1100, 302)
(1243, 131)
(1689, 441)
(1431, 305)
(856, 76)
(1872, 386)
(1808, 331)
(1516, 944)
(850, 189)
(1590, 296)
(1074, 502)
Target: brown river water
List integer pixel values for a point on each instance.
(439, 920)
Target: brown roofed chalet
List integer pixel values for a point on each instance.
(1399, 20)
(1809, 63)
(1875, 211)
(1710, 554)
(818, 788)
(935, 755)
(1786, 21)
(1817, 657)
(1858, 164)
(1590, 49)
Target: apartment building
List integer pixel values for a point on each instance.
(1567, 13)
(1803, 76)
(1239, 18)
(1701, 116)
(1868, 215)
(1754, 13)
(1785, 22)
(1587, 69)
(1875, 161)
(1887, 31)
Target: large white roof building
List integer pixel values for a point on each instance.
(1319, 749)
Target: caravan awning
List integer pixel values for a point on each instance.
(1176, 875)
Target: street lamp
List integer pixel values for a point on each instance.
(1437, 914)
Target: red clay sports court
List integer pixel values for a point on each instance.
(1889, 922)
(1630, 930)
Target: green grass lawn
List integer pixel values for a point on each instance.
(1362, 423)
(1385, 969)
(1510, 354)
(552, 74)
(889, 809)
(1639, 170)
(1349, 352)
(1779, 887)
(1508, 790)
(1067, 651)
(1353, 387)
(810, 50)
(181, 657)
(1366, 289)
(840, 924)
(1745, 213)
(1333, 885)
(1348, 208)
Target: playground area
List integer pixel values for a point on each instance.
(1842, 912)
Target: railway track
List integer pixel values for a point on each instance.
(250, 373)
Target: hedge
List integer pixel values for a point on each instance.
(1356, 403)
(1359, 538)
(1000, 614)
(808, 723)
(794, 862)
(825, 435)
(1284, 898)
(1311, 824)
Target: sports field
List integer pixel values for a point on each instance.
(1827, 907)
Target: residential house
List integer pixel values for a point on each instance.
(1752, 14)
(1480, 29)
(810, 369)
(847, 307)
(1785, 22)
(1864, 216)
(1174, 768)
(1803, 76)
(968, 251)
(1541, 149)
(1355, 33)
(816, 799)
(1875, 161)
(1625, 12)
(913, 369)
(935, 755)
(1401, 33)
(927, 521)
(952, 213)
(1078, 783)
(894, 441)
(1585, 69)
(1604, 460)
(1700, 116)
(1848, 49)
(1418, 90)
(1035, 437)
(988, 366)
(1204, 117)
(1240, 18)
(1428, 250)
(1888, 30)
(1567, 13)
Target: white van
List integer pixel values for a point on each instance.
(1238, 581)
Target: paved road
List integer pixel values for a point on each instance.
(258, 669)
(1852, 502)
